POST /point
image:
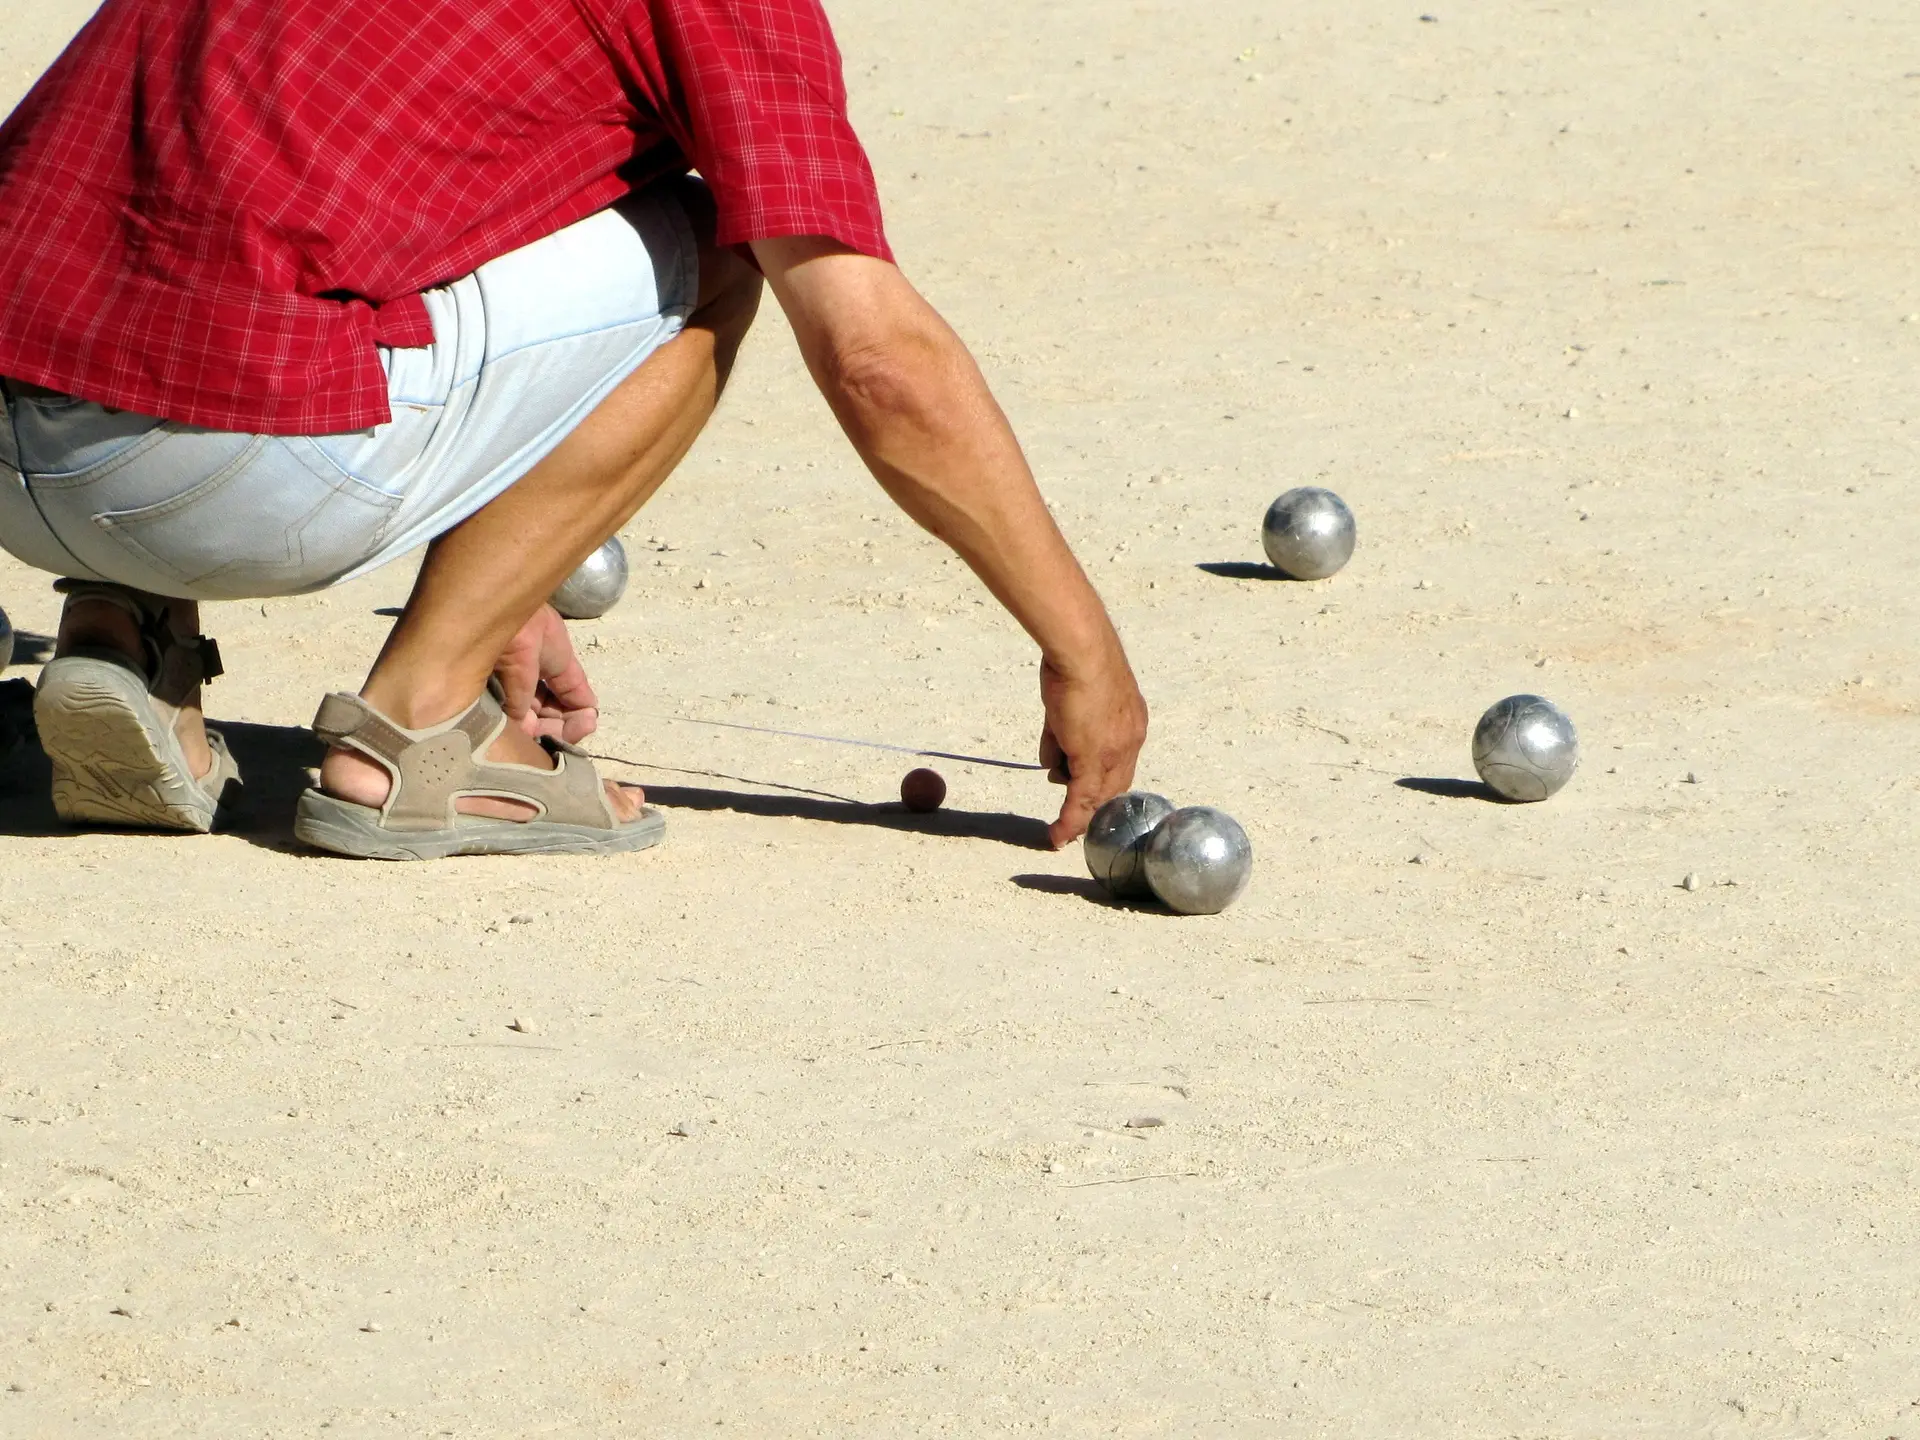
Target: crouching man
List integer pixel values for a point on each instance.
(291, 287)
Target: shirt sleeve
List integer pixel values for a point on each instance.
(756, 99)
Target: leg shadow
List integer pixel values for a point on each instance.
(31, 649)
(1021, 831)
(26, 804)
(273, 760)
(1448, 788)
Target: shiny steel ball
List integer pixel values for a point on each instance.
(1525, 748)
(1116, 842)
(6, 641)
(1308, 533)
(1199, 860)
(596, 587)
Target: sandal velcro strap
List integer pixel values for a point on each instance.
(175, 664)
(432, 768)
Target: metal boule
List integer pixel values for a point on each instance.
(1525, 748)
(1115, 847)
(1199, 860)
(596, 587)
(1308, 533)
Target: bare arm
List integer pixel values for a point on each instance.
(917, 409)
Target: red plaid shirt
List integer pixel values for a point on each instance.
(213, 210)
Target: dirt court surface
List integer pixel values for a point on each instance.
(1604, 320)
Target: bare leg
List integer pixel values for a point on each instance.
(483, 579)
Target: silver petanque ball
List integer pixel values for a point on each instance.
(1308, 533)
(596, 587)
(1525, 748)
(1116, 842)
(1199, 860)
(6, 641)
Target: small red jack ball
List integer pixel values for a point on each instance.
(922, 791)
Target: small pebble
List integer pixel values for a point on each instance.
(1692, 882)
(121, 1310)
(524, 1027)
(372, 1327)
(1145, 1122)
(1692, 778)
(681, 1128)
(521, 919)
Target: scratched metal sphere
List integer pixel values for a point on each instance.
(596, 587)
(1308, 533)
(6, 641)
(1199, 860)
(1525, 748)
(1116, 842)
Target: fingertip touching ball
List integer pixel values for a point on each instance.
(923, 791)
(1525, 748)
(6, 641)
(1116, 843)
(1308, 533)
(1199, 860)
(596, 587)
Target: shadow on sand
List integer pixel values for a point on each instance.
(1240, 570)
(1021, 831)
(275, 760)
(1448, 788)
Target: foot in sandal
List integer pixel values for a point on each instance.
(448, 790)
(118, 711)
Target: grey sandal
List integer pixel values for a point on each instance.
(106, 722)
(432, 768)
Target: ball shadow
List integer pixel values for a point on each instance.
(1088, 889)
(1241, 570)
(1448, 788)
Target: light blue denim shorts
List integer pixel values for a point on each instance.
(523, 349)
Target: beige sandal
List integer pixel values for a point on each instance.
(106, 722)
(432, 768)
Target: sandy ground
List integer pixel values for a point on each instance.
(1604, 320)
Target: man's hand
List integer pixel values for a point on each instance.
(1096, 724)
(919, 412)
(546, 686)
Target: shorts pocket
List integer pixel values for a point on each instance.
(266, 522)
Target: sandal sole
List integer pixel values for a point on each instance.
(112, 764)
(353, 830)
